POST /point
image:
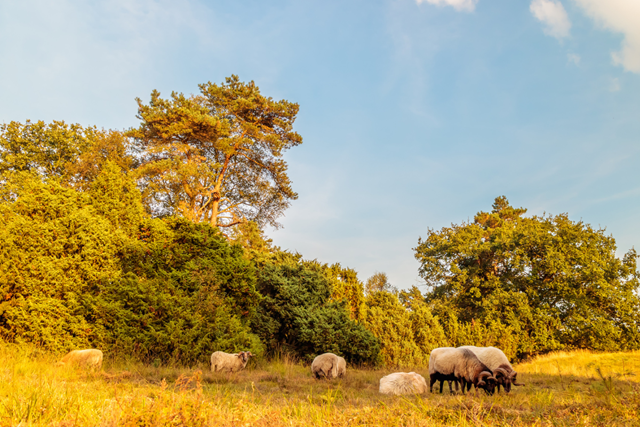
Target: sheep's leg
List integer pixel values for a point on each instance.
(457, 388)
(432, 381)
(441, 385)
(463, 385)
(450, 388)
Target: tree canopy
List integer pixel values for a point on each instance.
(216, 157)
(70, 153)
(556, 282)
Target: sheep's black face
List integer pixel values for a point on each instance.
(490, 386)
(507, 385)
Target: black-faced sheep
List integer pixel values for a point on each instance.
(442, 367)
(90, 358)
(401, 383)
(497, 361)
(470, 370)
(225, 362)
(329, 366)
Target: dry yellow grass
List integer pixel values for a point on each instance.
(563, 389)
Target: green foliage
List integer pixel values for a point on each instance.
(165, 320)
(55, 251)
(69, 153)
(187, 292)
(390, 322)
(116, 197)
(379, 282)
(345, 286)
(44, 149)
(407, 334)
(217, 157)
(258, 247)
(197, 253)
(82, 264)
(428, 333)
(298, 314)
(550, 282)
(80, 269)
(106, 147)
(403, 323)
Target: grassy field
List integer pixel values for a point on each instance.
(562, 389)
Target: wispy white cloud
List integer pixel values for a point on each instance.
(573, 58)
(552, 14)
(466, 5)
(622, 16)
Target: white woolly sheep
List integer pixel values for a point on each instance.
(470, 370)
(329, 366)
(441, 367)
(221, 361)
(401, 383)
(89, 358)
(497, 361)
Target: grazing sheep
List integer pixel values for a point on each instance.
(342, 367)
(403, 383)
(329, 366)
(90, 358)
(470, 370)
(496, 360)
(441, 367)
(221, 361)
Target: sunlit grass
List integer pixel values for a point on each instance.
(585, 364)
(562, 389)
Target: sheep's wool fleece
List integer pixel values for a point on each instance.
(328, 365)
(91, 358)
(442, 360)
(221, 361)
(491, 356)
(401, 383)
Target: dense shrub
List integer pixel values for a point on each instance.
(297, 314)
(76, 271)
(55, 251)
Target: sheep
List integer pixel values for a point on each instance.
(496, 360)
(221, 361)
(342, 367)
(441, 368)
(403, 383)
(470, 370)
(89, 358)
(329, 366)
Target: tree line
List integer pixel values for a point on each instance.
(149, 242)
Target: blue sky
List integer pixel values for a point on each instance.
(415, 114)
